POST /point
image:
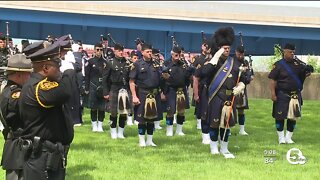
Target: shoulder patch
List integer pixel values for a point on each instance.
(15, 95)
(47, 85)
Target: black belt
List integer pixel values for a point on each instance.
(149, 90)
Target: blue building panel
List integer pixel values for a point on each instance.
(258, 39)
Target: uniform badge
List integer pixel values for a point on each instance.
(279, 112)
(15, 95)
(47, 85)
(199, 66)
(94, 65)
(184, 66)
(170, 70)
(142, 69)
(215, 120)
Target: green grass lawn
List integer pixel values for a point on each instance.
(97, 156)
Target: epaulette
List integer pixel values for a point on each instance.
(45, 85)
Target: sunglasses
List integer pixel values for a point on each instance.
(99, 49)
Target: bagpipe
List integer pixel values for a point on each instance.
(249, 64)
(10, 49)
(309, 68)
(182, 59)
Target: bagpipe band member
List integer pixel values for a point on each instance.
(115, 90)
(286, 83)
(144, 86)
(224, 83)
(94, 69)
(176, 80)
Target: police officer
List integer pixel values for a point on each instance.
(116, 91)
(48, 130)
(18, 72)
(145, 77)
(200, 91)
(93, 87)
(242, 99)
(223, 83)
(286, 83)
(176, 79)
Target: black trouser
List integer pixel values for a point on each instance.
(48, 161)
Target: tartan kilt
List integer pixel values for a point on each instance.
(281, 106)
(215, 109)
(95, 102)
(172, 100)
(112, 103)
(142, 95)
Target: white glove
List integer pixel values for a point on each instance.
(238, 89)
(65, 65)
(216, 56)
(243, 69)
(69, 57)
(75, 47)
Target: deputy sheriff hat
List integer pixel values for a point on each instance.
(51, 53)
(32, 48)
(224, 36)
(289, 46)
(18, 62)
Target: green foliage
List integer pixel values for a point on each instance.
(95, 156)
(313, 61)
(277, 56)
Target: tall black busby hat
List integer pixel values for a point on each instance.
(224, 36)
